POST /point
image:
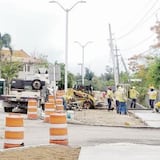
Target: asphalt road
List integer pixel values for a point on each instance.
(144, 142)
(37, 133)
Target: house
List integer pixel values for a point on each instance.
(17, 55)
(29, 63)
(32, 67)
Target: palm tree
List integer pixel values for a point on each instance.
(5, 41)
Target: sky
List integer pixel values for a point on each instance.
(38, 27)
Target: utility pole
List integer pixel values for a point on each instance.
(117, 64)
(113, 57)
(125, 67)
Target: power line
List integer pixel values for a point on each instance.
(139, 43)
(146, 51)
(123, 28)
(143, 52)
(142, 20)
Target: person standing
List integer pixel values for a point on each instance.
(122, 102)
(109, 98)
(152, 93)
(133, 93)
(117, 97)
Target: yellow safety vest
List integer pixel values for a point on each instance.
(109, 94)
(122, 97)
(117, 95)
(133, 93)
(152, 95)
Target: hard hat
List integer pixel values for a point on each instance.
(151, 87)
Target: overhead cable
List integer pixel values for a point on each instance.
(140, 21)
(139, 43)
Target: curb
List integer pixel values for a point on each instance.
(76, 122)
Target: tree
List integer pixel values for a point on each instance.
(89, 74)
(156, 29)
(123, 77)
(10, 71)
(153, 76)
(109, 73)
(70, 76)
(107, 78)
(5, 42)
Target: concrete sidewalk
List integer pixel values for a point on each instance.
(125, 151)
(120, 151)
(150, 118)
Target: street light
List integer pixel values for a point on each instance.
(66, 38)
(81, 71)
(83, 46)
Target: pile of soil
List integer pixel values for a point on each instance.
(50, 152)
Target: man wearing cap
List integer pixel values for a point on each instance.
(122, 101)
(109, 98)
(152, 93)
(133, 93)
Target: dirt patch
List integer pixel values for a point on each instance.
(107, 118)
(50, 152)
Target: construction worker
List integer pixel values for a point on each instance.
(133, 93)
(152, 93)
(116, 97)
(109, 98)
(122, 102)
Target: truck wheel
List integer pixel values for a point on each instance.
(36, 84)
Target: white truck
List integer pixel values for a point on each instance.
(22, 91)
(29, 85)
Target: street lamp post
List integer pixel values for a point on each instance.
(81, 71)
(83, 46)
(66, 37)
